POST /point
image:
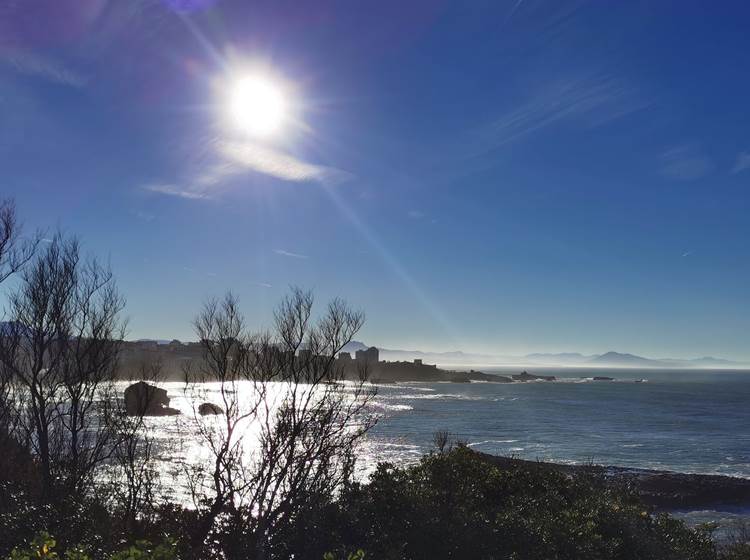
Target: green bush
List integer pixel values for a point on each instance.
(43, 548)
(459, 505)
(456, 504)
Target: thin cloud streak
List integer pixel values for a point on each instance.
(145, 216)
(31, 64)
(290, 254)
(685, 163)
(240, 158)
(171, 190)
(743, 163)
(247, 156)
(594, 101)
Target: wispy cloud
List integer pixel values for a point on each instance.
(415, 214)
(685, 163)
(264, 285)
(290, 254)
(248, 156)
(513, 10)
(235, 159)
(172, 190)
(686, 254)
(743, 162)
(592, 101)
(145, 216)
(31, 64)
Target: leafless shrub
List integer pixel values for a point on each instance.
(135, 489)
(15, 251)
(60, 349)
(442, 440)
(290, 426)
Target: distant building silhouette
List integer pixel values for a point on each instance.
(369, 356)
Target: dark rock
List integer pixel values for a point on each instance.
(525, 376)
(378, 381)
(142, 399)
(209, 408)
(487, 377)
(603, 378)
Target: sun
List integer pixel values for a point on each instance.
(257, 105)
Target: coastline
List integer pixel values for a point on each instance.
(663, 490)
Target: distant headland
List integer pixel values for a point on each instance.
(609, 359)
(388, 365)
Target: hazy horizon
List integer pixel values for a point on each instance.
(506, 359)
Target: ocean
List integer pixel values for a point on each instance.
(685, 421)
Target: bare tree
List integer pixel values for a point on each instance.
(14, 251)
(442, 440)
(61, 347)
(290, 426)
(14, 254)
(228, 360)
(135, 488)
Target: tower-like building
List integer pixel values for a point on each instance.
(369, 356)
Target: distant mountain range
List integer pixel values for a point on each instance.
(568, 359)
(562, 359)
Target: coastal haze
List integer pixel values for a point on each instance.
(175, 351)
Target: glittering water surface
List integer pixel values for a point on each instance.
(697, 422)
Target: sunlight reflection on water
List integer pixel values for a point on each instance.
(673, 422)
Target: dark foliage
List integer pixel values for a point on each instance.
(451, 505)
(457, 505)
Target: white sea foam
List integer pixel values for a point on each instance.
(491, 441)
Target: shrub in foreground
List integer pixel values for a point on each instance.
(459, 505)
(455, 504)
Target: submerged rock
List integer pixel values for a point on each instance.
(209, 408)
(142, 399)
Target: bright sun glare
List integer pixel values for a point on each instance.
(257, 105)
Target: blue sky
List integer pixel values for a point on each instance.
(487, 176)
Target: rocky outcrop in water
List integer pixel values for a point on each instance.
(207, 409)
(526, 376)
(142, 399)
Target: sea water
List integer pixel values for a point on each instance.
(684, 421)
